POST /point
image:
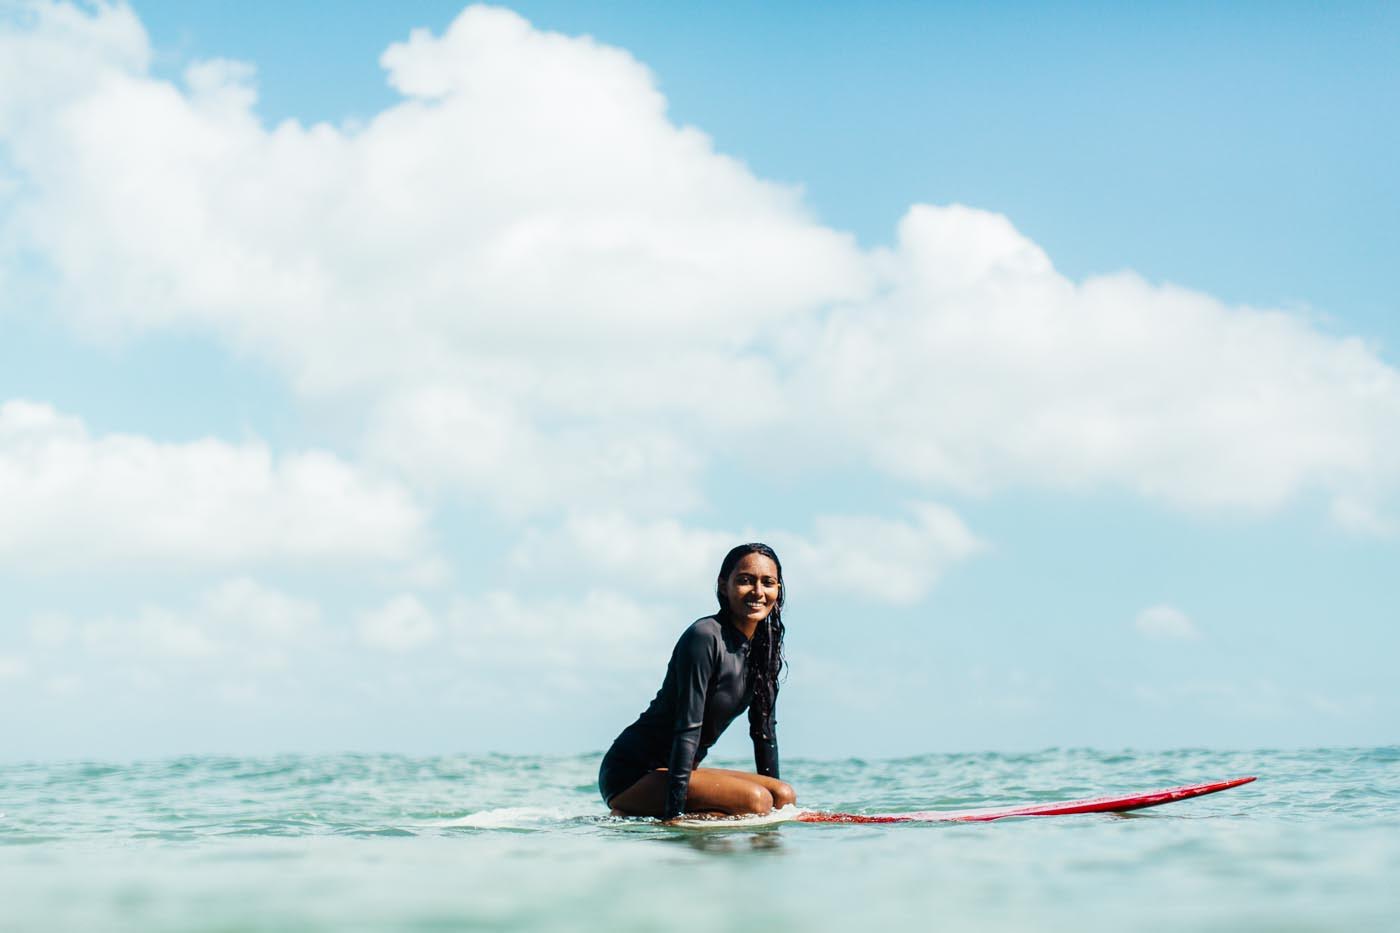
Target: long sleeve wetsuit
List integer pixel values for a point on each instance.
(708, 684)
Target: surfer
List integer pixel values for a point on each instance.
(722, 665)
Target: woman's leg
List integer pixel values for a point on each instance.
(782, 791)
(712, 790)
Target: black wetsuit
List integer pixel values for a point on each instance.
(707, 685)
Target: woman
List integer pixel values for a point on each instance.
(722, 665)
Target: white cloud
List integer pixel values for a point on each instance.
(443, 438)
(984, 368)
(264, 613)
(70, 499)
(1166, 622)
(237, 624)
(519, 658)
(887, 560)
(546, 292)
(237, 638)
(566, 641)
(242, 640)
(12, 667)
(893, 561)
(402, 624)
(1360, 517)
(661, 556)
(50, 630)
(529, 192)
(63, 685)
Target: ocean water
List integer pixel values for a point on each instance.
(383, 842)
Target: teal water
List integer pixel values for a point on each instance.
(373, 842)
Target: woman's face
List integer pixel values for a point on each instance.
(752, 588)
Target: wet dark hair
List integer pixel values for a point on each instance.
(766, 653)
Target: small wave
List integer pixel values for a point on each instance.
(527, 818)
(511, 818)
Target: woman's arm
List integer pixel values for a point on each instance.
(765, 743)
(694, 663)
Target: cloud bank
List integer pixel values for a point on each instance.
(70, 500)
(890, 561)
(579, 336)
(1164, 622)
(545, 290)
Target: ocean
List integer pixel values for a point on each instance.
(393, 842)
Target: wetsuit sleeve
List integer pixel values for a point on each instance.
(765, 745)
(694, 660)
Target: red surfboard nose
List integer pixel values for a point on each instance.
(1119, 804)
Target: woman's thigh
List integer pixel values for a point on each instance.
(711, 790)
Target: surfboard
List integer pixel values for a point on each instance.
(1115, 804)
(1119, 804)
(789, 814)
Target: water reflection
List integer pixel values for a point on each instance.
(734, 842)
(715, 838)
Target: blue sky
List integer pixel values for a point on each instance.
(376, 389)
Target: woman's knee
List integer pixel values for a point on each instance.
(783, 795)
(758, 799)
